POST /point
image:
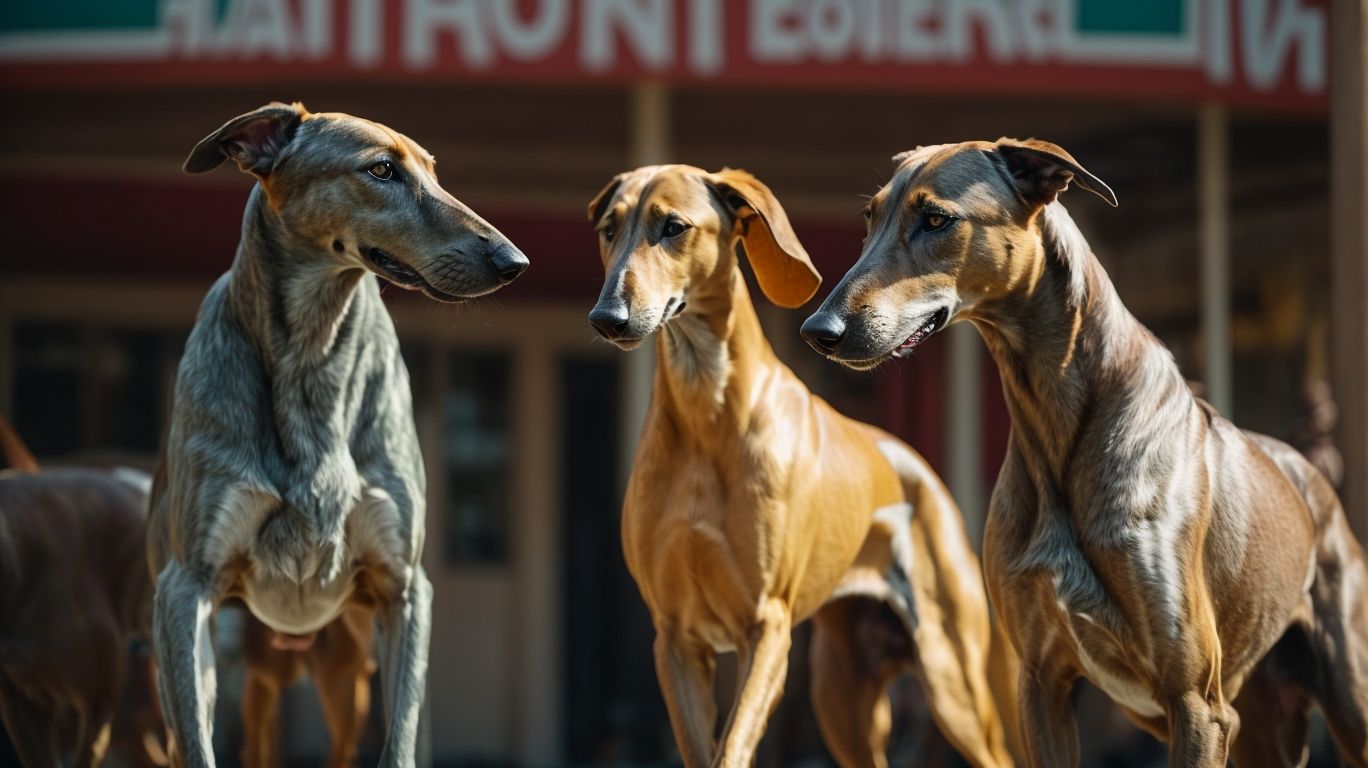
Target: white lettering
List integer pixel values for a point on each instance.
(646, 26)
(914, 44)
(1216, 42)
(426, 19)
(831, 27)
(252, 27)
(1263, 55)
(873, 25)
(1037, 23)
(190, 22)
(706, 36)
(534, 39)
(992, 17)
(773, 36)
(316, 27)
(364, 45)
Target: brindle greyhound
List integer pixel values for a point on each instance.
(1135, 537)
(293, 479)
(754, 505)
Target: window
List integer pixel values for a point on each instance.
(477, 445)
(86, 390)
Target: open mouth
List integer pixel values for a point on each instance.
(405, 276)
(933, 324)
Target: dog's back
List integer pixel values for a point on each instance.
(73, 595)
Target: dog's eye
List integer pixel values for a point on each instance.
(933, 221)
(674, 228)
(608, 232)
(383, 170)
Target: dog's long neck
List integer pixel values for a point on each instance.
(713, 360)
(293, 294)
(309, 317)
(1069, 353)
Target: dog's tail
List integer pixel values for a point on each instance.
(17, 455)
(1003, 678)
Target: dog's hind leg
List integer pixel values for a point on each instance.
(260, 720)
(1339, 639)
(404, 629)
(31, 725)
(185, 658)
(849, 678)
(1273, 720)
(341, 667)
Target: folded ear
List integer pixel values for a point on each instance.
(254, 140)
(599, 205)
(1042, 170)
(781, 266)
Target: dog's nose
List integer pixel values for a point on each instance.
(610, 320)
(508, 262)
(823, 332)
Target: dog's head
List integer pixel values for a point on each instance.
(953, 232)
(667, 236)
(366, 195)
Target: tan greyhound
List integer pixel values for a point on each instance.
(1135, 537)
(753, 505)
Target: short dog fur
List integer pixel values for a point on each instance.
(1204, 577)
(753, 505)
(293, 479)
(75, 612)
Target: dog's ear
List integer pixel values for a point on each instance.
(782, 267)
(253, 140)
(599, 204)
(1042, 170)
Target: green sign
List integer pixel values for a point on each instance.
(1131, 17)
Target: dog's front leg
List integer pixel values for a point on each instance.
(1047, 717)
(404, 627)
(185, 660)
(763, 668)
(685, 669)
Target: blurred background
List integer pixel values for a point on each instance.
(1227, 129)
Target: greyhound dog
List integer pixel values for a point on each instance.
(292, 475)
(753, 504)
(1135, 537)
(75, 606)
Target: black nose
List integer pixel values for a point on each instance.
(610, 320)
(823, 332)
(508, 262)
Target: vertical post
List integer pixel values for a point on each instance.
(649, 113)
(1349, 247)
(537, 563)
(1214, 226)
(964, 432)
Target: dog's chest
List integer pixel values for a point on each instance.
(700, 554)
(297, 577)
(1086, 621)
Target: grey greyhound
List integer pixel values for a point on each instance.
(292, 477)
(1200, 575)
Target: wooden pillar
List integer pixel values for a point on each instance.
(1213, 203)
(1349, 246)
(649, 113)
(964, 430)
